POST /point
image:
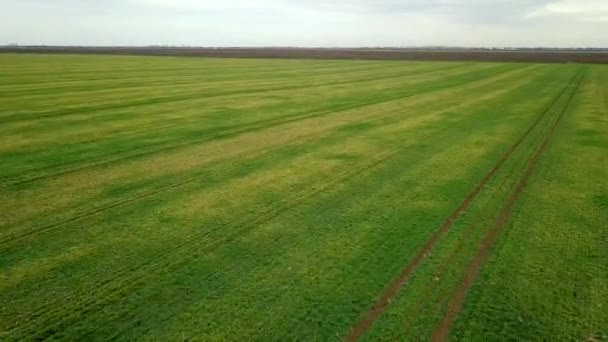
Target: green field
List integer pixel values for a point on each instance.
(151, 198)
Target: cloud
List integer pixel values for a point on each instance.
(575, 10)
(306, 22)
(469, 8)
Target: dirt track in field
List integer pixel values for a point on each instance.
(398, 283)
(457, 301)
(528, 55)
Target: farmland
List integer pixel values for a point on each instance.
(175, 198)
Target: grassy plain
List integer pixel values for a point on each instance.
(209, 199)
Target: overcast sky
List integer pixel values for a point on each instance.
(331, 23)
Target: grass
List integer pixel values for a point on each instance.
(561, 285)
(176, 198)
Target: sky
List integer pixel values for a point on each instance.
(306, 23)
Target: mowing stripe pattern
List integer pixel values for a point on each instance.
(147, 198)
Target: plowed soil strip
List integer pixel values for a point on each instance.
(455, 306)
(395, 286)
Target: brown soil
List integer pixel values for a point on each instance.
(455, 54)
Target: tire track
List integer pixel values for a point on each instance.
(440, 295)
(457, 302)
(393, 289)
(434, 286)
(429, 290)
